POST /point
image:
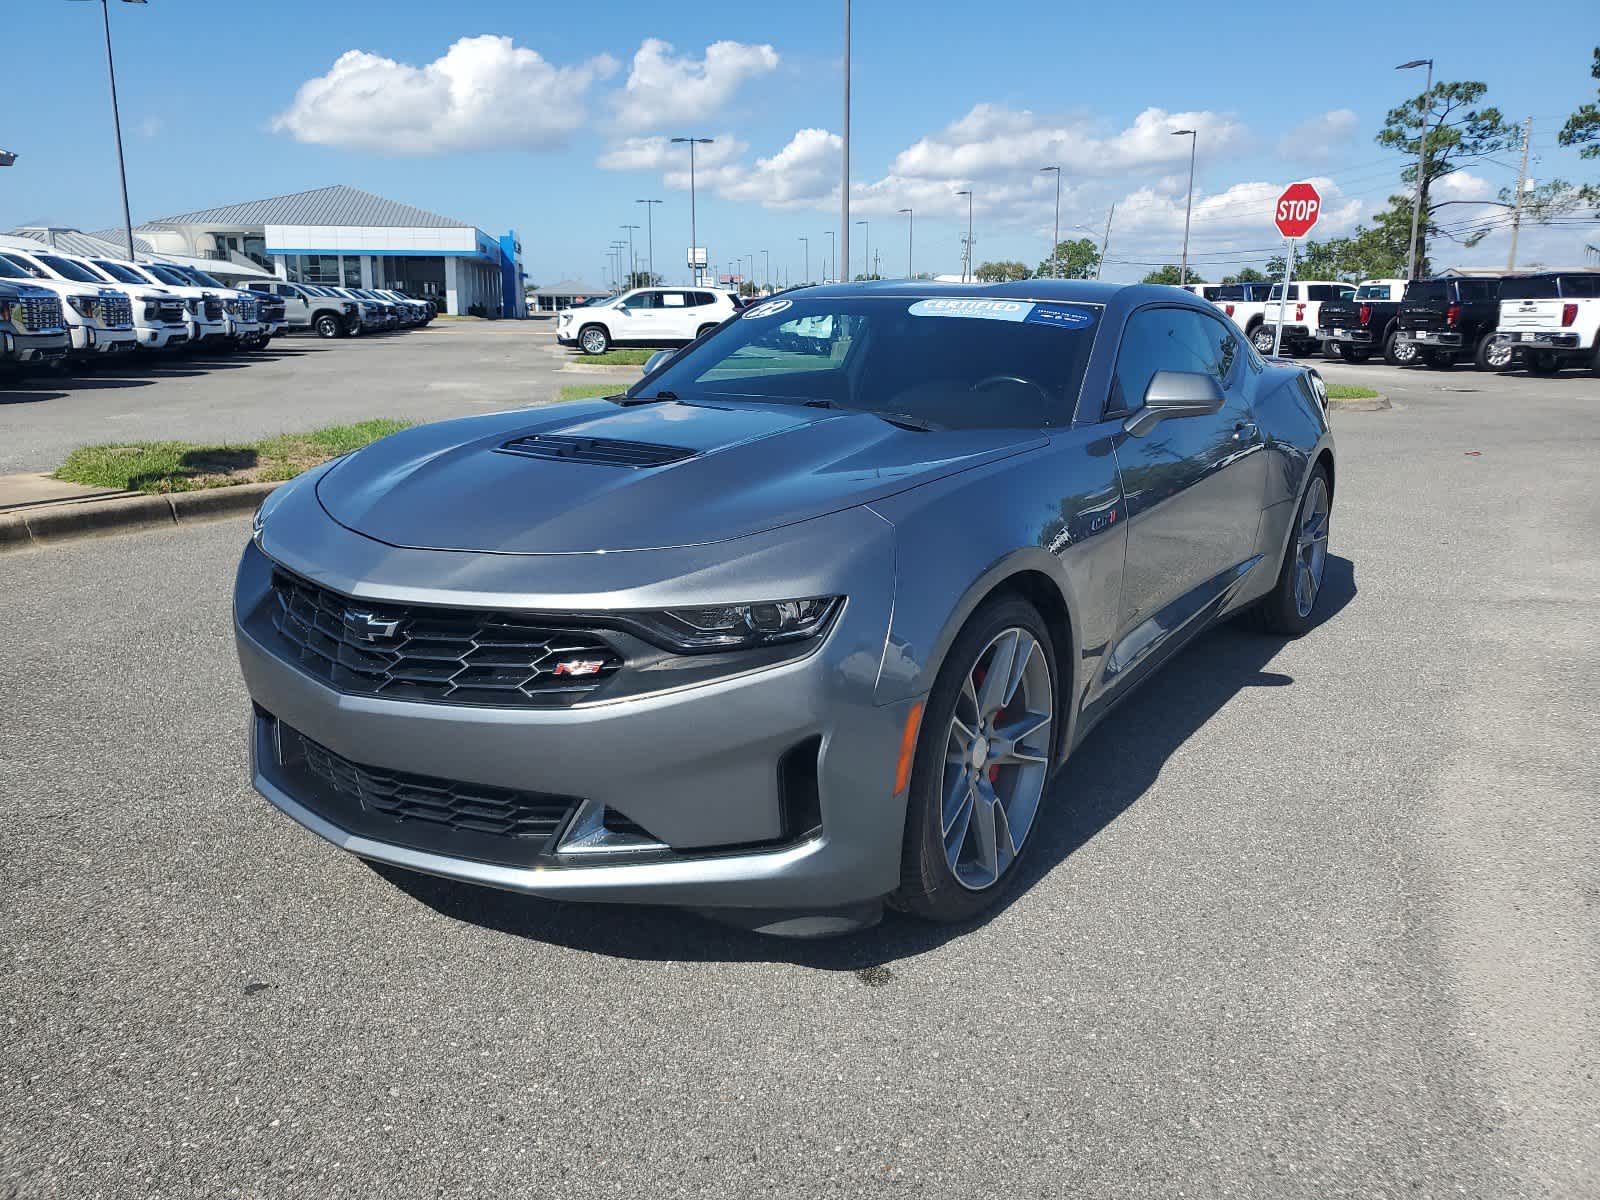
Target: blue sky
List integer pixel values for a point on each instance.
(547, 118)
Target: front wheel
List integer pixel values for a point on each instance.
(1262, 338)
(983, 756)
(328, 326)
(1398, 353)
(1288, 607)
(593, 340)
(1493, 353)
(702, 331)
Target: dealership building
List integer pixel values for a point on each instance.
(343, 237)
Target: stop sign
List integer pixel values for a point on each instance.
(1298, 210)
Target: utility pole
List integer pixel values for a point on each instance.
(966, 256)
(807, 243)
(1422, 161)
(116, 123)
(650, 233)
(1055, 242)
(766, 261)
(1105, 243)
(1522, 183)
(1188, 204)
(844, 183)
(694, 244)
(911, 229)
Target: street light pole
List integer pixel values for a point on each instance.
(911, 224)
(116, 122)
(631, 259)
(866, 249)
(844, 182)
(650, 234)
(830, 269)
(1055, 242)
(966, 259)
(807, 243)
(1188, 204)
(694, 234)
(1422, 160)
(766, 260)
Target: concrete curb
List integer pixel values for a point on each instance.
(1366, 404)
(64, 522)
(600, 369)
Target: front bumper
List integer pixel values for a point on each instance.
(160, 337)
(35, 347)
(698, 767)
(89, 340)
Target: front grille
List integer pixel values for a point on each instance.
(451, 655)
(492, 823)
(42, 313)
(115, 311)
(610, 452)
(171, 312)
(271, 310)
(213, 309)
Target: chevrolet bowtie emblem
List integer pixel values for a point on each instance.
(368, 626)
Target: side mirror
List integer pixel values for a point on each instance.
(1175, 394)
(657, 359)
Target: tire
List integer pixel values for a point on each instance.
(1492, 354)
(328, 326)
(264, 342)
(1353, 354)
(1262, 338)
(1439, 360)
(999, 796)
(1397, 353)
(1285, 610)
(702, 331)
(593, 339)
(1544, 363)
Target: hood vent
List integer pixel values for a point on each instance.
(605, 452)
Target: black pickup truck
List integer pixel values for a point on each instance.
(1449, 319)
(1364, 325)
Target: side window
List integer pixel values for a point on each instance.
(673, 300)
(1579, 287)
(703, 299)
(1169, 339)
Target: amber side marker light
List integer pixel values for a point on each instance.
(908, 749)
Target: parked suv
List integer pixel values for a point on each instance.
(1365, 323)
(204, 318)
(33, 330)
(1553, 320)
(656, 316)
(1448, 319)
(99, 318)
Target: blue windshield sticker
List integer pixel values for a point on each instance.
(985, 310)
(1061, 316)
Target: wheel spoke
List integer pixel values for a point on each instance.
(957, 800)
(986, 832)
(997, 683)
(1019, 666)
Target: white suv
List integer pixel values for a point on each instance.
(99, 318)
(653, 316)
(1552, 321)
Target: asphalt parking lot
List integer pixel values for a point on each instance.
(1317, 919)
(446, 369)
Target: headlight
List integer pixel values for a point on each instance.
(83, 305)
(741, 626)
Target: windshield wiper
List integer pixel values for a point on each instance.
(626, 401)
(904, 421)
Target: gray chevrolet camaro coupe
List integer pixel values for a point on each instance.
(802, 623)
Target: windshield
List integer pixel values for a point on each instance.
(168, 275)
(119, 272)
(942, 362)
(68, 270)
(22, 264)
(1373, 291)
(10, 270)
(202, 278)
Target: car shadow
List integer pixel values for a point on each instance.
(30, 391)
(1107, 775)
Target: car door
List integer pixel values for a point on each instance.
(676, 316)
(1192, 486)
(633, 318)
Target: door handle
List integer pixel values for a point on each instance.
(1245, 431)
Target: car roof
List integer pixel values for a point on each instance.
(1081, 291)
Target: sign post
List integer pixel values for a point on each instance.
(1296, 213)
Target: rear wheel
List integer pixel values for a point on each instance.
(1398, 353)
(1493, 353)
(593, 340)
(702, 331)
(1288, 607)
(1353, 354)
(983, 756)
(1262, 338)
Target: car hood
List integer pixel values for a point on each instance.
(743, 469)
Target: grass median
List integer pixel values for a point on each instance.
(631, 357)
(587, 391)
(1349, 391)
(159, 467)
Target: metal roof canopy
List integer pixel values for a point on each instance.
(336, 205)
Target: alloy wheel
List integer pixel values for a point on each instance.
(1311, 547)
(1498, 356)
(594, 342)
(997, 757)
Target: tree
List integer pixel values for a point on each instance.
(1004, 271)
(639, 279)
(1171, 273)
(1247, 275)
(748, 289)
(1583, 126)
(1078, 259)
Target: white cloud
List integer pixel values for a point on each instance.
(664, 88)
(659, 154)
(1461, 185)
(484, 93)
(1319, 136)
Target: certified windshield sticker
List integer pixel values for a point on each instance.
(1061, 316)
(770, 309)
(984, 310)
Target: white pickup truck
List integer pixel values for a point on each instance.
(1552, 320)
(203, 314)
(100, 318)
(1301, 307)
